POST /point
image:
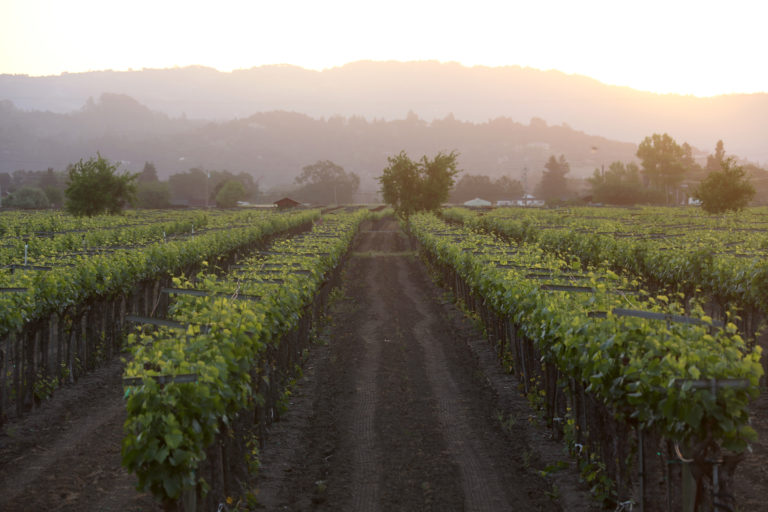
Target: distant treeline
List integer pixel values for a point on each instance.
(267, 153)
(273, 147)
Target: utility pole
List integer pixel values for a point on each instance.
(208, 174)
(525, 180)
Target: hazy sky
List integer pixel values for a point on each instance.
(696, 47)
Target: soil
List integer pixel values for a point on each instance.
(751, 477)
(66, 455)
(405, 408)
(402, 406)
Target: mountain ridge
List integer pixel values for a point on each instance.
(390, 89)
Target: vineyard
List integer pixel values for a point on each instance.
(718, 261)
(68, 284)
(629, 365)
(633, 334)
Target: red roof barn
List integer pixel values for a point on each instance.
(286, 202)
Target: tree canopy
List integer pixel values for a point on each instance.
(153, 194)
(27, 198)
(470, 186)
(663, 161)
(411, 186)
(324, 182)
(230, 193)
(97, 186)
(190, 187)
(51, 182)
(148, 173)
(554, 185)
(715, 161)
(199, 187)
(620, 184)
(727, 189)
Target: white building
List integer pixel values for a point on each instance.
(477, 202)
(529, 200)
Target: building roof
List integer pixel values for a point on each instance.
(477, 202)
(287, 202)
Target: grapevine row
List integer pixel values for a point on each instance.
(571, 333)
(66, 320)
(240, 337)
(721, 261)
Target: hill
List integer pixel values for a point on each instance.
(389, 90)
(274, 146)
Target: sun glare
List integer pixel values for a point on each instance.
(685, 47)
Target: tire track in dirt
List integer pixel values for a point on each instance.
(66, 455)
(333, 461)
(366, 469)
(482, 490)
(752, 473)
(419, 474)
(56, 458)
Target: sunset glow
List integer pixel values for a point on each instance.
(684, 47)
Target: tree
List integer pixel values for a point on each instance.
(55, 196)
(470, 186)
(438, 178)
(324, 182)
(554, 185)
(415, 186)
(50, 179)
(5, 183)
(689, 163)
(715, 162)
(619, 184)
(200, 187)
(153, 194)
(27, 198)
(664, 163)
(230, 193)
(23, 178)
(727, 189)
(401, 184)
(96, 186)
(148, 174)
(220, 178)
(190, 186)
(507, 188)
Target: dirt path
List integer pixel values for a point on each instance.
(396, 413)
(66, 454)
(751, 479)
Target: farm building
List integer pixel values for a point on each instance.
(286, 202)
(476, 202)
